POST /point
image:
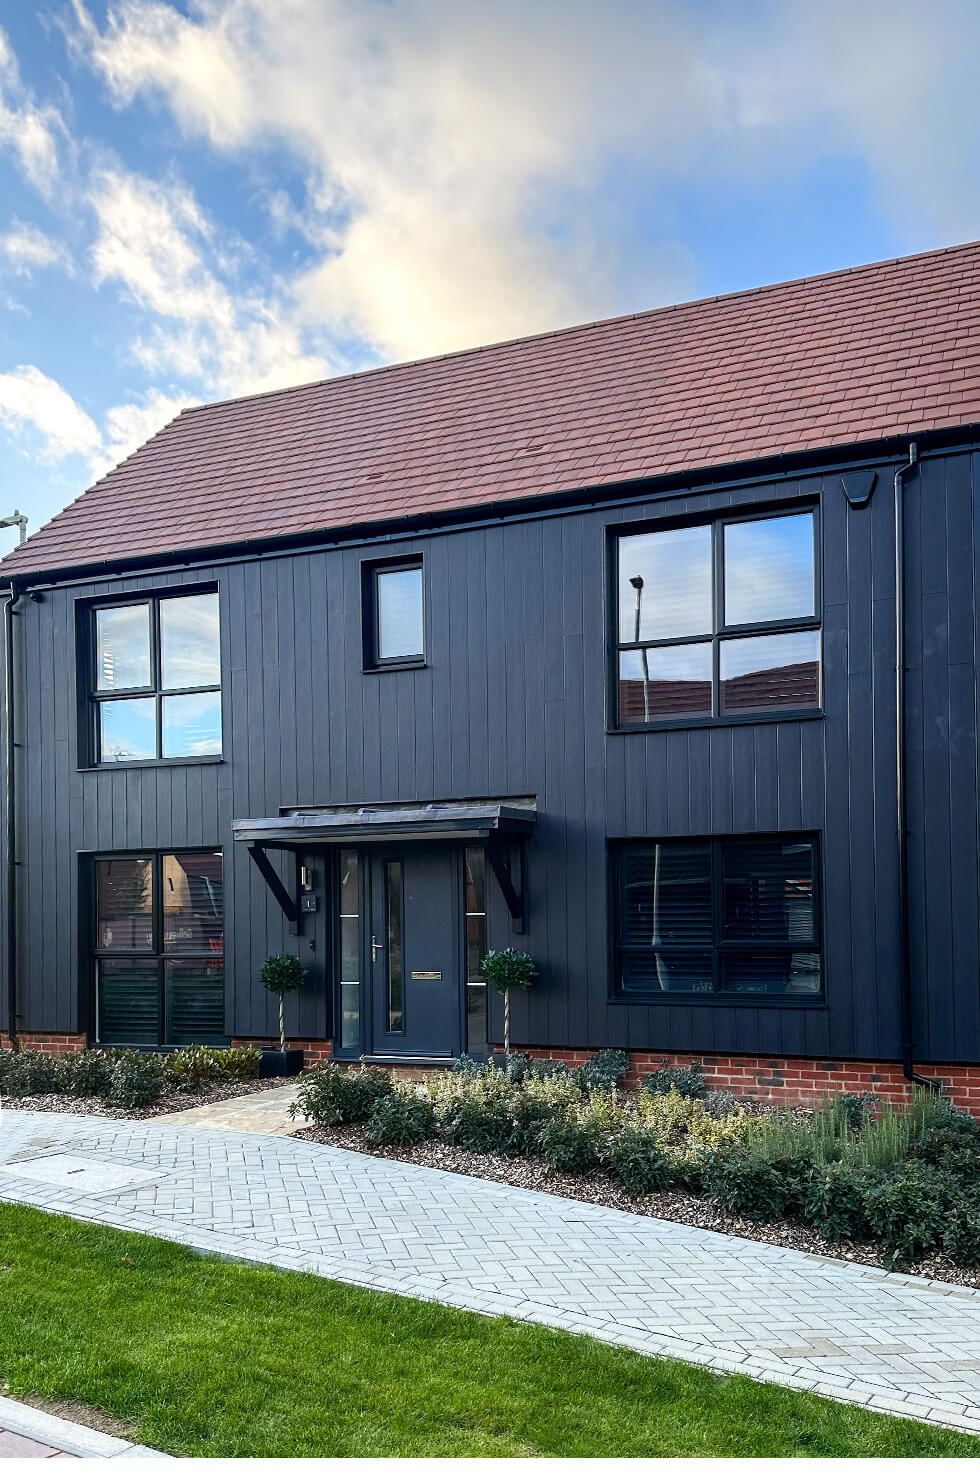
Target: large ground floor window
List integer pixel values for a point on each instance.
(729, 917)
(159, 949)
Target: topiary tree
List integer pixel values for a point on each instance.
(504, 970)
(282, 973)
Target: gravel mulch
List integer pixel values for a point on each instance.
(596, 1187)
(175, 1100)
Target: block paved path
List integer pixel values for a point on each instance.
(890, 1342)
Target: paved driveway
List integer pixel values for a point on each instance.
(855, 1333)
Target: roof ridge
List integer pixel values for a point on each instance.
(579, 327)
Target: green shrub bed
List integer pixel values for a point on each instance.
(856, 1170)
(125, 1079)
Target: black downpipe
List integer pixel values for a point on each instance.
(10, 800)
(901, 781)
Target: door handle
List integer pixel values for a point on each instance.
(376, 947)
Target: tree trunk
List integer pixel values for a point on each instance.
(282, 1022)
(507, 1022)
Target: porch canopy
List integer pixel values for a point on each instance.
(497, 821)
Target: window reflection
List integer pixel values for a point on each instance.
(665, 584)
(398, 593)
(771, 670)
(769, 569)
(189, 643)
(192, 725)
(122, 648)
(128, 730)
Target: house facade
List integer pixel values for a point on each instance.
(584, 645)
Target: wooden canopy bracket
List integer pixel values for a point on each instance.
(501, 856)
(289, 903)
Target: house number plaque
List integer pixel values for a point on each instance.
(426, 977)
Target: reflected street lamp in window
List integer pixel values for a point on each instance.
(637, 583)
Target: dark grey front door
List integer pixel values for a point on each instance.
(414, 951)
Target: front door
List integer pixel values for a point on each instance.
(414, 951)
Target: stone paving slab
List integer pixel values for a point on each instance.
(266, 1111)
(891, 1342)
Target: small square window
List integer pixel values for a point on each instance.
(394, 614)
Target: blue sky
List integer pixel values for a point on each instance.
(206, 199)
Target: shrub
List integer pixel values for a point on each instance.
(566, 1144)
(688, 1082)
(604, 1070)
(401, 1118)
(961, 1235)
(528, 1113)
(746, 1183)
(635, 1160)
(855, 1109)
(137, 1080)
(88, 1073)
(476, 1122)
(908, 1209)
(30, 1072)
(466, 1065)
(835, 1201)
(200, 1064)
(333, 1094)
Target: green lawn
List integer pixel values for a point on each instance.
(202, 1357)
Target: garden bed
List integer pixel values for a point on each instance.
(127, 1083)
(186, 1099)
(855, 1179)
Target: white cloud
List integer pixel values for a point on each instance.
(31, 132)
(155, 243)
(36, 406)
(53, 427)
(27, 249)
(458, 157)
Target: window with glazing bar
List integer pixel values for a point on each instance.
(727, 917)
(159, 949)
(155, 679)
(718, 620)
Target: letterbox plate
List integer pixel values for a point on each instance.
(426, 977)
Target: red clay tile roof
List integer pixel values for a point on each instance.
(861, 355)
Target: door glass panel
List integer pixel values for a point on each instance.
(769, 569)
(476, 946)
(193, 905)
(128, 1001)
(195, 1001)
(769, 671)
(394, 973)
(665, 585)
(124, 905)
(664, 681)
(128, 730)
(122, 648)
(192, 725)
(189, 647)
(350, 950)
(399, 613)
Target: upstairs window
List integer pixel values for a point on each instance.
(156, 679)
(721, 917)
(394, 614)
(718, 620)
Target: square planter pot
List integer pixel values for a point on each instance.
(280, 1062)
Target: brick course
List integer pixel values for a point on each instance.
(48, 1043)
(789, 1081)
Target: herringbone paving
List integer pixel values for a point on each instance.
(891, 1342)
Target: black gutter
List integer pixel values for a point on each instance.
(10, 800)
(901, 782)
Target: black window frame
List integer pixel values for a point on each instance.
(157, 955)
(91, 735)
(371, 571)
(719, 944)
(720, 631)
